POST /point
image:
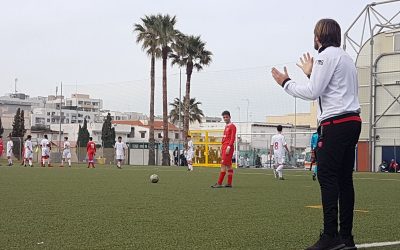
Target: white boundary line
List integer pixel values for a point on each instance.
(378, 244)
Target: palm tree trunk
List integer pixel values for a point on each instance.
(166, 161)
(152, 154)
(186, 114)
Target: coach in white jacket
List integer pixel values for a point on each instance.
(333, 82)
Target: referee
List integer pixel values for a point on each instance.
(333, 82)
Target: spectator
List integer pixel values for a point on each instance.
(384, 167)
(394, 167)
(176, 156)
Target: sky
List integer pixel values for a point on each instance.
(90, 47)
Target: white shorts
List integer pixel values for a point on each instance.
(189, 155)
(279, 160)
(28, 154)
(66, 154)
(45, 152)
(120, 157)
(9, 154)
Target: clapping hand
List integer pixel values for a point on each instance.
(306, 64)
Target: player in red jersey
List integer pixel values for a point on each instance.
(91, 151)
(227, 151)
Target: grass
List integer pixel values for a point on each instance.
(107, 208)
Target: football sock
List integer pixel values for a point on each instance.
(30, 162)
(69, 162)
(230, 176)
(279, 169)
(221, 177)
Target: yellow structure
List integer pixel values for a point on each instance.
(207, 147)
(302, 119)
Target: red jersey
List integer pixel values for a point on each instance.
(229, 135)
(91, 147)
(1, 146)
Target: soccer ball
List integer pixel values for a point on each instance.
(154, 178)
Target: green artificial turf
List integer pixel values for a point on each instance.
(108, 208)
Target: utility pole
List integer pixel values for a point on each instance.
(59, 131)
(295, 123)
(15, 85)
(180, 101)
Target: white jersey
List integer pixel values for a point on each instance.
(45, 147)
(44, 143)
(10, 146)
(28, 149)
(190, 146)
(67, 150)
(120, 150)
(333, 82)
(278, 143)
(67, 146)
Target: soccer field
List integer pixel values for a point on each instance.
(108, 208)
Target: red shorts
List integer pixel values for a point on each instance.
(226, 159)
(45, 157)
(90, 156)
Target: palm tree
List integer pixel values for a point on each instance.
(195, 113)
(166, 36)
(190, 52)
(148, 37)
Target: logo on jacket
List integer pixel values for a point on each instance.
(320, 62)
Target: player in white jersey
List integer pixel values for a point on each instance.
(28, 151)
(278, 146)
(66, 155)
(45, 146)
(120, 148)
(10, 146)
(189, 153)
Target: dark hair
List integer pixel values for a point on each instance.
(279, 128)
(65, 138)
(90, 138)
(328, 32)
(119, 137)
(226, 112)
(29, 137)
(45, 136)
(189, 136)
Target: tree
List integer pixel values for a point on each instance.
(18, 131)
(167, 35)
(148, 37)
(108, 133)
(195, 113)
(83, 135)
(189, 52)
(22, 123)
(1, 127)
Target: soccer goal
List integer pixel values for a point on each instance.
(253, 149)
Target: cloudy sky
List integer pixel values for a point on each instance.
(90, 47)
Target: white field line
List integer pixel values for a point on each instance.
(378, 244)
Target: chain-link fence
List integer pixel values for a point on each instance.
(254, 149)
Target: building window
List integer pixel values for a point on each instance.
(48, 120)
(80, 102)
(159, 135)
(176, 136)
(132, 133)
(396, 38)
(143, 134)
(48, 113)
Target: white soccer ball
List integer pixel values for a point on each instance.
(154, 178)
